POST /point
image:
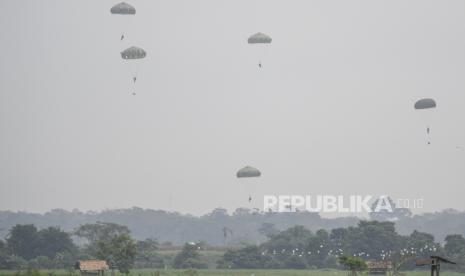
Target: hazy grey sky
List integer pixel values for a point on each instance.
(331, 112)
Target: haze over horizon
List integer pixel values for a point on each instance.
(330, 113)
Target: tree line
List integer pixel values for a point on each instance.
(297, 247)
(300, 248)
(178, 228)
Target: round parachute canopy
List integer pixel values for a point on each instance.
(425, 104)
(123, 8)
(248, 172)
(133, 53)
(259, 38)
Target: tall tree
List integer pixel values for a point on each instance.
(100, 232)
(189, 258)
(147, 255)
(23, 241)
(268, 229)
(120, 252)
(455, 246)
(110, 242)
(249, 257)
(53, 240)
(371, 237)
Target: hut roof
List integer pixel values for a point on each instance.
(92, 265)
(379, 264)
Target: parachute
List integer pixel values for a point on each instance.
(425, 104)
(123, 9)
(132, 56)
(133, 53)
(259, 39)
(249, 172)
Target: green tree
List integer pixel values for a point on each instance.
(189, 257)
(268, 229)
(147, 255)
(120, 251)
(399, 259)
(339, 239)
(290, 239)
(320, 245)
(2, 246)
(11, 262)
(455, 246)
(65, 260)
(53, 240)
(354, 264)
(421, 243)
(249, 257)
(23, 241)
(110, 242)
(372, 237)
(100, 232)
(41, 262)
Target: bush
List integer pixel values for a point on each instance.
(11, 262)
(40, 262)
(189, 272)
(249, 257)
(354, 264)
(189, 258)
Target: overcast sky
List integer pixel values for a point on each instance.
(330, 112)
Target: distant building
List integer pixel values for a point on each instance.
(434, 262)
(92, 267)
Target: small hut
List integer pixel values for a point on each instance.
(434, 262)
(379, 267)
(92, 267)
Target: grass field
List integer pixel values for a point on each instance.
(213, 272)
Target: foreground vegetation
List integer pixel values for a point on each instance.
(218, 272)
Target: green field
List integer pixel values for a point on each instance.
(212, 272)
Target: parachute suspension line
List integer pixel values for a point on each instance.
(134, 80)
(427, 134)
(134, 84)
